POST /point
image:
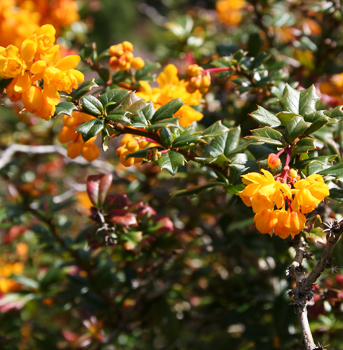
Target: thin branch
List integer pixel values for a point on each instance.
(302, 293)
(7, 155)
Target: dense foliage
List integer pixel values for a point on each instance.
(171, 174)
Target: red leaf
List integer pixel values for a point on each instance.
(117, 201)
(122, 217)
(97, 188)
(13, 233)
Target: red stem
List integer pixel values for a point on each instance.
(215, 70)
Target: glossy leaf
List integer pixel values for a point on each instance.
(149, 110)
(120, 116)
(299, 101)
(168, 110)
(172, 122)
(171, 161)
(265, 118)
(84, 88)
(65, 108)
(97, 188)
(92, 105)
(295, 128)
(90, 128)
(215, 129)
(304, 145)
(186, 139)
(132, 103)
(113, 98)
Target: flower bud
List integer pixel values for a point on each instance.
(273, 161)
(137, 63)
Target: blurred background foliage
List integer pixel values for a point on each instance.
(204, 280)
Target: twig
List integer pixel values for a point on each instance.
(302, 292)
(7, 155)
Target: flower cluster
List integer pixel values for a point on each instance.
(130, 144)
(230, 11)
(263, 193)
(38, 58)
(333, 88)
(199, 80)
(171, 87)
(20, 18)
(76, 146)
(6, 270)
(123, 58)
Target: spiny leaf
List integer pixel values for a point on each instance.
(84, 88)
(65, 108)
(299, 101)
(90, 128)
(171, 161)
(92, 105)
(265, 118)
(215, 129)
(168, 110)
(295, 128)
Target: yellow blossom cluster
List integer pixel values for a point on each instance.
(263, 193)
(6, 270)
(130, 144)
(230, 11)
(122, 57)
(171, 87)
(199, 80)
(76, 145)
(37, 59)
(20, 18)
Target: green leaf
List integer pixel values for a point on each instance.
(259, 59)
(168, 110)
(186, 139)
(227, 142)
(172, 122)
(267, 135)
(149, 110)
(132, 103)
(120, 117)
(195, 190)
(65, 108)
(299, 101)
(322, 160)
(25, 281)
(87, 51)
(304, 145)
(336, 171)
(336, 112)
(295, 128)
(337, 194)
(171, 161)
(139, 121)
(143, 73)
(215, 129)
(143, 152)
(265, 118)
(113, 98)
(92, 105)
(90, 128)
(285, 117)
(166, 137)
(83, 89)
(318, 119)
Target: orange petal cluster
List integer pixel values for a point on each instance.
(230, 11)
(171, 87)
(130, 144)
(263, 193)
(198, 80)
(20, 18)
(6, 270)
(76, 145)
(123, 58)
(38, 59)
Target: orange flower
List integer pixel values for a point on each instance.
(273, 161)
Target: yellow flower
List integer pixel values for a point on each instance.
(11, 64)
(171, 87)
(265, 221)
(263, 192)
(288, 223)
(230, 11)
(309, 192)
